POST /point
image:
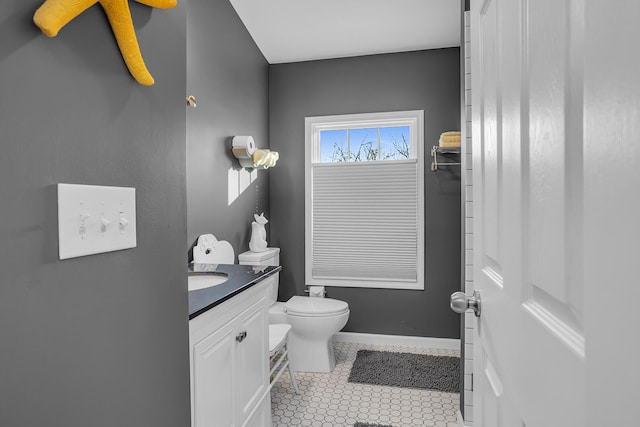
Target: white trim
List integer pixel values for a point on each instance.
(402, 340)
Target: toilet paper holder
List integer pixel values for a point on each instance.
(244, 149)
(316, 291)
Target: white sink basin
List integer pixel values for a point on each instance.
(201, 281)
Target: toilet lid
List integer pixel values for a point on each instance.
(309, 306)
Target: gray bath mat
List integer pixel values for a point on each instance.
(409, 370)
(369, 425)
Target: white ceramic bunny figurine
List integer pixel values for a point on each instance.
(258, 242)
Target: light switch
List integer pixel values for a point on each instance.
(94, 219)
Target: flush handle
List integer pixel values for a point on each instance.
(460, 302)
(241, 336)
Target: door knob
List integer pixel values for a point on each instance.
(460, 302)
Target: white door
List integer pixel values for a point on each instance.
(556, 163)
(214, 377)
(253, 361)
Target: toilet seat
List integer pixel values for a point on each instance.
(315, 307)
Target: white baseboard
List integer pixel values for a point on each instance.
(407, 341)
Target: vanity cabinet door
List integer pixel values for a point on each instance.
(252, 363)
(230, 363)
(214, 382)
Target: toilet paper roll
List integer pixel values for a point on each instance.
(241, 153)
(316, 291)
(243, 147)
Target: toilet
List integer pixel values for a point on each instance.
(313, 320)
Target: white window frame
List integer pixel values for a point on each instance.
(313, 125)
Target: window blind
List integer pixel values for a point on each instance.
(365, 221)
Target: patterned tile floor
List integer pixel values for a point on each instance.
(328, 400)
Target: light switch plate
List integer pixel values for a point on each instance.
(94, 219)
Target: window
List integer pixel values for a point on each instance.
(364, 207)
(364, 144)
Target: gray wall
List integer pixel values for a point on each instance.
(100, 340)
(229, 78)
(428, 80)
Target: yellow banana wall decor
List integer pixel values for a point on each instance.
(55, 14)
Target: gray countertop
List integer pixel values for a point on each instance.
(241, 277)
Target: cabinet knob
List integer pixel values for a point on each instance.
(241, 336)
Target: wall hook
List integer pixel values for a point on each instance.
(191, 101)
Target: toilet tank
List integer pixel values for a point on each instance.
(269, 257)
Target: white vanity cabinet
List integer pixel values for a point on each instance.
(229, 362)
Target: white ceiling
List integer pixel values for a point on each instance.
(302, 30)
